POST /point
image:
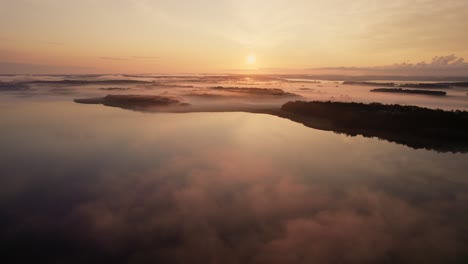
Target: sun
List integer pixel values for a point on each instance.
(251, 59)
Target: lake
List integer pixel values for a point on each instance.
(95, 184)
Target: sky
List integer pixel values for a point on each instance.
(218, 36)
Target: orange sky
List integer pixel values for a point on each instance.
(172, 36)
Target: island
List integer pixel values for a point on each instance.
(416, 127)
(409, 91)
(114, 89)
(135, 102)
(12, 87)
(427, 85)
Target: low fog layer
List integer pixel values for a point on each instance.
(270, 90)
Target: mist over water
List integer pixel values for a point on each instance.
(198, 89)
(95, 184)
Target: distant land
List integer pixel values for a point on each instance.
(351, 78)
(445, 85)
(89, 82)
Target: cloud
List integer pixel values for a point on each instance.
(449, 65)
(446, 60)
(26, 68)
(439, 65)
(127, 59)
(441, 62)
(113, 58)
(56, 43)
(146, 57)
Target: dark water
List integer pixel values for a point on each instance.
(91, 184)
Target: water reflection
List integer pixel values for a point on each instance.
(96, 184)
(429, 129)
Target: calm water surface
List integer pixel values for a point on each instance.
(91, 184)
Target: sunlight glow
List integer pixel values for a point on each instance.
(251, 59)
